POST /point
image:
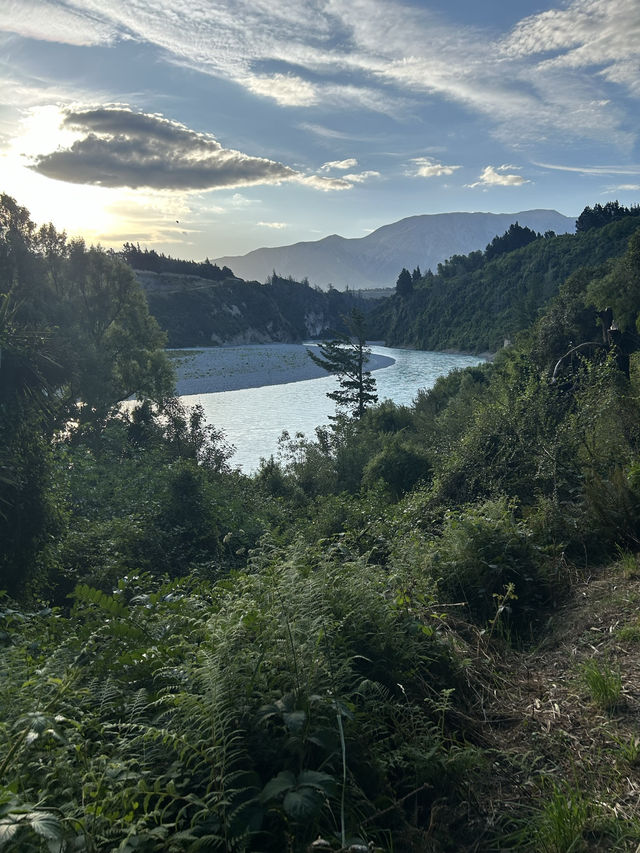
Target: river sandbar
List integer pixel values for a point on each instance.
(215, 369)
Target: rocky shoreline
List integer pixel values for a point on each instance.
(231, 368)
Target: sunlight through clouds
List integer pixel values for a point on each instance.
(294, 96)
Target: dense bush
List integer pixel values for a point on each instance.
(254, 715)
(203, 660)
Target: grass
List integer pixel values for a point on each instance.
(629, 634)
(603, 682)
(628, 563)
(563, 820)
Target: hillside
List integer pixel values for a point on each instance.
(199, 312)
(375, 260)
(474, 304)
(415, 630)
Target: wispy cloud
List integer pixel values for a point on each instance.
(325, 132)
(320, 182)
(287, 89)
(549, 75)
(592, 170)
(239, 201)
(499, 177)
(346, 182)
(349, 163)
(585, 34)
(278, 226)
(55, 22)
(427, 167)
(361, 177)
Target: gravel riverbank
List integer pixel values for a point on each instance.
(207, 371)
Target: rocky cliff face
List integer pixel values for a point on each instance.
(375, 260)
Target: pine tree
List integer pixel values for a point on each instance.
(346, 356)
(404, 284)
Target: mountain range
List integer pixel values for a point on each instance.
(375, 261)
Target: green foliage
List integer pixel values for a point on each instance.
(603, 214)
(399, 466)
(243, 664)
(202, 313)
(628, 750)
(603, 682)
(346, 357)
(475, 303)
(243, 716)
(482, 551)
(88, 307)
(76, 337)
(514, 238)
(619, 288)
(149, 259)
(563, 821)
(404, 284)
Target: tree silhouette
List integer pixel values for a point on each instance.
(404, 284)
(346, 357)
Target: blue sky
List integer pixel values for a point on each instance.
(212, 127)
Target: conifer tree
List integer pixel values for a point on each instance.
(404, 284)
(346, 357)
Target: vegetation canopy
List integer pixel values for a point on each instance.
(415, 630)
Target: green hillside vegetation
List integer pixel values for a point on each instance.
(199, 312)
(152, 261)
(474, 302)
(414, 631)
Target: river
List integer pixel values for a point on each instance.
(254, 418)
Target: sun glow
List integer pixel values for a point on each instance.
(99, 214)
(74, 208)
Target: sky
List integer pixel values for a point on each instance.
(204, 128)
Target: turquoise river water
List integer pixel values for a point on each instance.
(254, 418)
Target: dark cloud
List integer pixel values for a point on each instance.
(123, 148)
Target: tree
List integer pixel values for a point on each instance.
(404, 284)
(515, 237)
(346, 356)
(90, 309)
(76, 337)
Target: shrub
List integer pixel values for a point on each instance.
(399, 465)
(483, 549)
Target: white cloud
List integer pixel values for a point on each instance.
(582, 34)
(550, 76)
(286, 89)
(625, 188)
(427, 167)
(239, 200)
(492, 177)
(350, 163)
(361, 177)
(50, 21)
(116, 146)
(277, 225)
(318, 182)
(592, 170)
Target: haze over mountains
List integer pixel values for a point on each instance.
(376, 260)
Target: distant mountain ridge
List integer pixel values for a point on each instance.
(375, 260)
